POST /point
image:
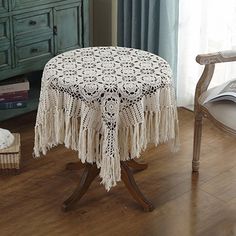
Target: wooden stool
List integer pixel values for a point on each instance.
(90, 173)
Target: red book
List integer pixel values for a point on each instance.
(14, 96)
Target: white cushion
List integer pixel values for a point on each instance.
(228, 53)
(224, 111)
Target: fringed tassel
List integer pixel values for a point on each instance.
(37, 142)
(110, 171)
(174, 141)
(90, 145)
(156, 128)
(82, 148)
(74, 133)
(68, 132)
(59, 124)
(98, 148)
(124, 143)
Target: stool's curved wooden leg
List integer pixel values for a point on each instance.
(89, 174)
(75, 166)
(128, 179)
(136, 166)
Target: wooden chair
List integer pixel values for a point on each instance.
(221, 113)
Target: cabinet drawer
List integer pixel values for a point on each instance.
(4, 30)
(5, 57)
(22, 4)
(33, 22)
(3, 6)
(31, 51)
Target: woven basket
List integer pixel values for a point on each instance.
(10, 157)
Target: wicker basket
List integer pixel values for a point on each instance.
(10, 157)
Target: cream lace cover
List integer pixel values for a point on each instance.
(107, 103)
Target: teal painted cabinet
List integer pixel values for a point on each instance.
(32, 32)
(3, 6)
(68, 28)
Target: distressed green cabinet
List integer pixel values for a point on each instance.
(3, 6)
(32, 32)
(5, 44)
(68, 30)
(22, 4)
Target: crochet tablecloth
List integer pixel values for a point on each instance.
(107, 103)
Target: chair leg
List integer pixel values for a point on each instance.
(197, 142)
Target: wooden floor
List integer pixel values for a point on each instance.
(186, 204)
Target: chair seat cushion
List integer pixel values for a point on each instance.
(224, 111)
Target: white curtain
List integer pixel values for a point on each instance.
(204, 26)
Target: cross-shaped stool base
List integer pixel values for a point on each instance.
(91, 171)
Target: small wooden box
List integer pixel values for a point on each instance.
(10, 157)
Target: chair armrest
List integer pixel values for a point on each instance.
(203, 83)
(218, 57)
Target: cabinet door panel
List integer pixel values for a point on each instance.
(33, 22)
(4, 30)
(3, 6)
(27, 51)
(5, 57)
(67, 19)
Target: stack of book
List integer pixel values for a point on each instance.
(14, 93)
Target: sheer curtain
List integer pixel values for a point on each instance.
(204, 26)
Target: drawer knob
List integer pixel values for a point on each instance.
(55, 30)
(32, 22)
(33, 50)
